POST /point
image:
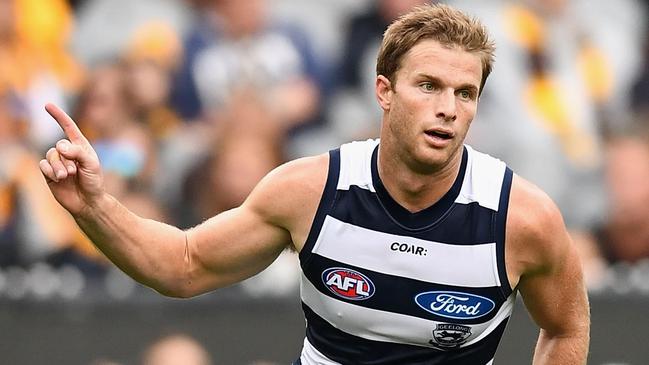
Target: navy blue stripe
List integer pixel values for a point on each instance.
(426, 217)
(326, 202)
(297, 362)
(397, 294)
(463, 224)
(345, 348)
(501, 223)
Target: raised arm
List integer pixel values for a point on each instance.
(551, 282)
(225, 249)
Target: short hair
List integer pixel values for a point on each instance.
(442, 23)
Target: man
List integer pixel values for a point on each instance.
(411, 249)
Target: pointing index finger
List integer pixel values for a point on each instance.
(68, 125)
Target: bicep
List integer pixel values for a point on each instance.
(551, 279)
(556, 296)
(231, 247)
(241, 242)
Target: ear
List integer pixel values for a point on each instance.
(384, 92)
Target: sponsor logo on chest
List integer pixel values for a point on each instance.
(347, 283)
(450, 336)
(456, 305)
(408, 248)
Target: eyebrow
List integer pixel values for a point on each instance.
(466, 86)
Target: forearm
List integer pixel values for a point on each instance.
(561, 350)
(151, 252)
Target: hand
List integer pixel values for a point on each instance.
(72, 169)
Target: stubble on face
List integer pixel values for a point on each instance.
(426, 96)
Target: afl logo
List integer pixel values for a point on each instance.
(347, 283)
(456, 305)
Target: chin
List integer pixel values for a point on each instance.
(436, 157)
(430, 160)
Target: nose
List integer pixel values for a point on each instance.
(445, 107)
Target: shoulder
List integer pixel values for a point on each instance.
(537, 238)
(293, 188)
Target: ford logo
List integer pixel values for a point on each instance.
(456, 305)
(347, 283)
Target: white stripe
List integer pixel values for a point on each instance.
(459, 265)
(311, 356)
(482, 181)
(376, 325)
(496, 274)
(356, 165)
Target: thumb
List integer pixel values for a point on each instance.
(85, 157)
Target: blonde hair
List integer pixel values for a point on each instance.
(442, 23)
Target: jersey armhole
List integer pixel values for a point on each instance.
(501, 223)
(324, 207)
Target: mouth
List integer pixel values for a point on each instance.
(440, 133)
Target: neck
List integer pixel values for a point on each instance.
(414, 188)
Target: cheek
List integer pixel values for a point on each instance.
(468, 112)
(400, 119)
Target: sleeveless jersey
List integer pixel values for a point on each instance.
(381, 285)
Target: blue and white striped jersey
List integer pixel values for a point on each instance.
(381, 285)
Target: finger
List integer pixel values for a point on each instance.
(54, 159)
(70, 165)
(47, 170)
(74, 152)
(68, 125)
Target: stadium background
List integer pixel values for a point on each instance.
(189, 103)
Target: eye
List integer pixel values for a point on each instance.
(427, 86)
(465, 94)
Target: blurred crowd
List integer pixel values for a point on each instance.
(190, 102)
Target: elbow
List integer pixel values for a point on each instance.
(182, 289)
(185, 279)
(175, 293)
(177, 282)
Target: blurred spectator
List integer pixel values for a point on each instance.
(561, 79)
(176, 349)
(356, 98)
(246, 147)
(105, 28)
(234, 46)
(151, 58)
(253, 81)
(33, 227)
(626, 234)
(105, 112)
(106, 115)
(153, 55)
(364, 35)
(34, 63)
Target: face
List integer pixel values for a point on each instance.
(104, 105)
(243, 17)
(429, 107)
